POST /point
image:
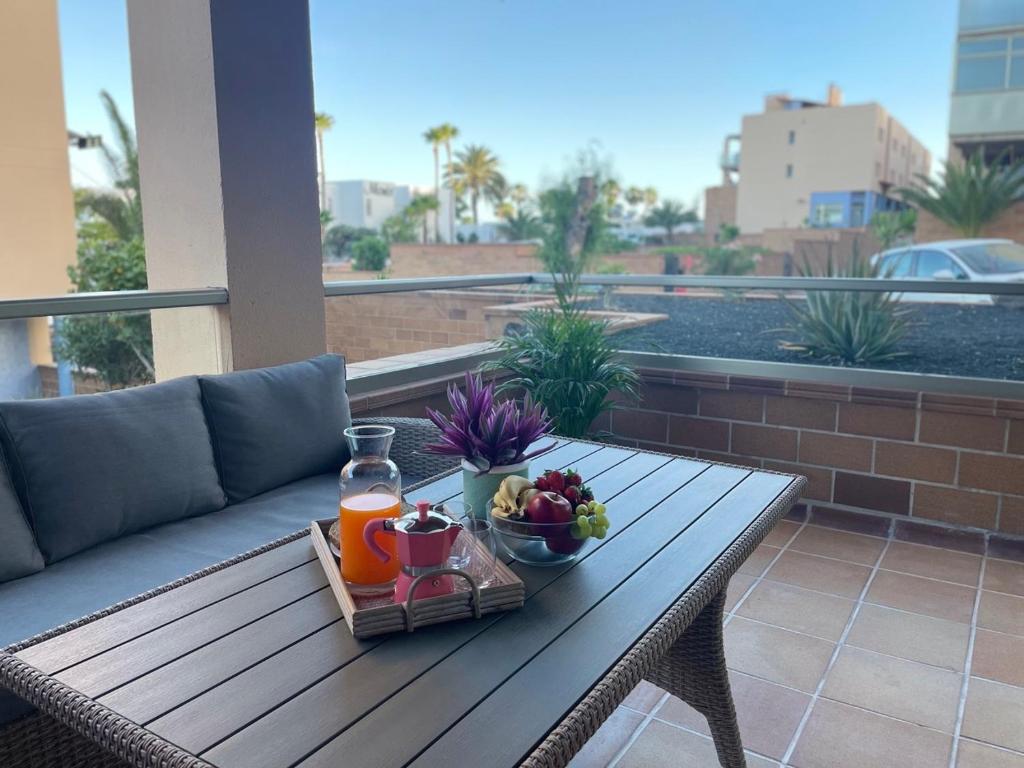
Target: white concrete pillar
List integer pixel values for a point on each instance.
(224, 115)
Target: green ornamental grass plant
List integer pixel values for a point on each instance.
(564, 360)
(848, 327)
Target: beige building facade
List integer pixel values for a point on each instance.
(796, 149)
(37, 221)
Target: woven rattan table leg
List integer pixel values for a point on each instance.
(694, 670)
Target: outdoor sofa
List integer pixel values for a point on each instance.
(106, 496)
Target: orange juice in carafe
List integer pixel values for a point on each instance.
(359, 566)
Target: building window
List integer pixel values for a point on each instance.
(792, 137)
(828, 215)
(789, 170)
(990, 64)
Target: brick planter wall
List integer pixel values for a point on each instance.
(934, 468)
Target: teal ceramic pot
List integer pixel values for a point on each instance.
(478, 490)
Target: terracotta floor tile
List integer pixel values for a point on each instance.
(973, 754)
(910, 636)
(758, 560)
(1004, 576)
(768, 714)
(776, 654)
(934, 563)
(998, 656)
(920, 595)
(799, 609)
(995, 714)
(738, 586)
(781, 533)
(1003, 613)
(840, 736)
(644, 697)
(609, 739)
(665, 745)
(820, 573)
(907, 690)
(852, 547)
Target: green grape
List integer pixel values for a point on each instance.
(591, 506)
(599, 509)
(582, 509)
(601, 519)
(600, 532)
(584, 526)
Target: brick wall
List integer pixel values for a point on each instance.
(883, 454)
(1010, 225)
(373, 326)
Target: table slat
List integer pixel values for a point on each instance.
(103, 673)
(166, 687)
(72, 647)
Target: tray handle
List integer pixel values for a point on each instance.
(410, 618)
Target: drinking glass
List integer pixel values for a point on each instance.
(475, 551)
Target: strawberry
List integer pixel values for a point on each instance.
(572, 477)
(586, 494)
(572, 493)
(541, 484)
(556, 481)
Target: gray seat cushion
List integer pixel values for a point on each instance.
(92, 468)
(272, 426)
(118, 570)
(19, 555)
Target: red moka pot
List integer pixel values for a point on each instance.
(423, 542)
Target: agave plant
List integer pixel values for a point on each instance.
(564, 360)
(848, 327)
(485, 432)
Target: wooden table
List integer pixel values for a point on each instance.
(252, 666)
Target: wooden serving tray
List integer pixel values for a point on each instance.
(379, 615)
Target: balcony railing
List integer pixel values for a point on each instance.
(85, 303)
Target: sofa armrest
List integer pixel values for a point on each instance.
(407, 448)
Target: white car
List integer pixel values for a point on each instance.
(992, 261)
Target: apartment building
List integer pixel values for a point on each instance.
(816, 163)
(368, 204)
(987, 103)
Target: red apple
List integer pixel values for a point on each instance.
(548, 507)
(564, 544)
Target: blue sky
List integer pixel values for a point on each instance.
(656, 83)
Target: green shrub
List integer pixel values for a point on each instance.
(370, 254)
(728, 261)
(848, 327)
(564, 360)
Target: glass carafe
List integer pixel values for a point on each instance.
(371, 487)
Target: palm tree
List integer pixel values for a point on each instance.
(322, 122)
(419, 207)
(890, 227)
(970, 196)
(435, 138)
(650, 196)
(122, 211)
(519, 194)
(669, 215)
(476, 169)
(447, 133)
(521, 225)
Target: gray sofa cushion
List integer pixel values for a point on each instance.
(271, 426)
(92, 468)
(19, 555)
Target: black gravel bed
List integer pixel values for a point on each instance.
(957, 340)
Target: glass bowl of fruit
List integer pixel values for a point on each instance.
(548, 520)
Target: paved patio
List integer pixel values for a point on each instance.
(850, 651)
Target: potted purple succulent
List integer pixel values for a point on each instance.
(492, 438)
